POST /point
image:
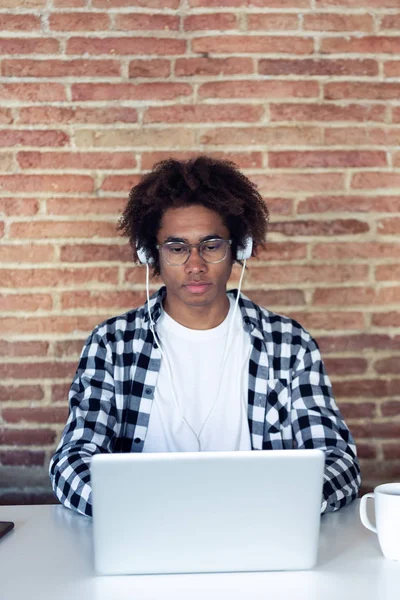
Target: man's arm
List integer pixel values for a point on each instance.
(317, 423)
(91, 427)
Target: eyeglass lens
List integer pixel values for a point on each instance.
(176, 253)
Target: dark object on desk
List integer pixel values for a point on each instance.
(5, 527)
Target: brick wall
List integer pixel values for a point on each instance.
(302, 94)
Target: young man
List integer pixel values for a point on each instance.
(186, 371)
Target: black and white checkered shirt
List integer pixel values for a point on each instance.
(290, 401)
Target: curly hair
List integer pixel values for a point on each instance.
(210, 182)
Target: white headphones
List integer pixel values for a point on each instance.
(242, 253)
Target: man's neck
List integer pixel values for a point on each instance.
(197, 317)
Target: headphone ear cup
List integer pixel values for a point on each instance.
(141, 253)
(244, 253)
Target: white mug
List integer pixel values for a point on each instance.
(387, 517)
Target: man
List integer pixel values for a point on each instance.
(186, 371)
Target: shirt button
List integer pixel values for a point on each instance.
(148, 391)
(137, 440)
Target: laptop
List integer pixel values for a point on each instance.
(194, 512)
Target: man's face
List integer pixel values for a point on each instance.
(196, 283)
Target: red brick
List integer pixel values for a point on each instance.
(389, 226)
(389, 319)
(80, 21)
(32, 92)
(25, 302)
(283, 251)
(391, 68)
(9, 22)
(345, 136)
(272, 22)
(137, 274)
(377, 430)
(358, 3)
(327, 112)
(64, 184)
(76, 160)
(271, 136)
(11, 138)
(28, 45)
(38, 370)
(135, 138)
(16, 4)
(40, 415)
(203, 113)
(26, 253)
(251, 3)
(60, 68)
(24, 348)
(70, 348)
(96, 253)
(329, 321)
(320, 67)
(21, 457)
(387, 272)
(62, 229)
(389, 295)
(245, 160)
(126, 45)
(22, 207)
(187, 67)
(269, 298)
(357, 410)
(12, 393)
(6, 116)
(44, 277)
(391, 451)
(375, 180)
(317, 204)
(369, 388)
(26, 498)
(146, 22)
(390, 408)
(359, 343)
(370, 44)
(69, 3)
(390, 364)
(85, 206)
(259, 89)
(157, 67)
(338, 22)
(326, 159)
(319, 228)
(59, 392)
(119, 183)
(210, 22)
(366, 451)
(344, 296)
(53, 325)
(362, 90)
(296, 182)
(304, 274)
(253, 44)
(129, 91)
(346, 366)
(390, 22)
(352, 250)
(122, 300)
(27, 437)
(56, 114)
(157, 4)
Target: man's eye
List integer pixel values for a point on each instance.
(176, 249)
(212, 246)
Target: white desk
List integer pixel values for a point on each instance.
(48, 556)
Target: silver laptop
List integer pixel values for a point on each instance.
(206, 511)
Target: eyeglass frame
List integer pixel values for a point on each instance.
(191, 246)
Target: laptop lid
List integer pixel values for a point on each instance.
(206, 511)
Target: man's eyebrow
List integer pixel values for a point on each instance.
(211, 236)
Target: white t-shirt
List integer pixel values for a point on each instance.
(195, 357)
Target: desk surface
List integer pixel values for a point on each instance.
(48, 556)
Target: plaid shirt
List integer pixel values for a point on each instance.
(290, 401)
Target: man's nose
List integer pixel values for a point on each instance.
(195, 262)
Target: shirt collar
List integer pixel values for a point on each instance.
(250, 312)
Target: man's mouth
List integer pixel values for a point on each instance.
(197, 287)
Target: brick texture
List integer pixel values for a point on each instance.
(302, 95)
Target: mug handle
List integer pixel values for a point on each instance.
(363, 513)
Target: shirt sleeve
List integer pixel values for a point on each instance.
(90, 428)
(317, 423)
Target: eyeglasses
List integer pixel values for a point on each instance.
(178, 253)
